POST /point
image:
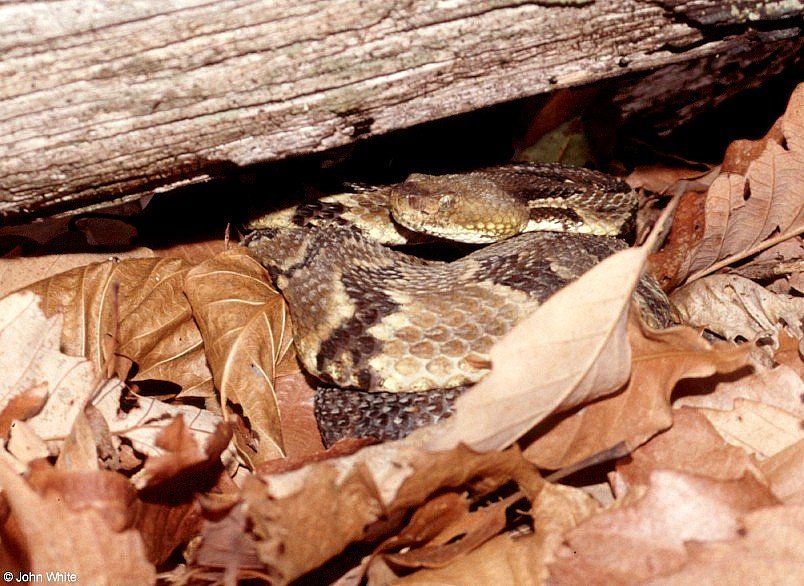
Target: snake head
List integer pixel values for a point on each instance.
(472, 210)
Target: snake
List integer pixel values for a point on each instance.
(394, 338)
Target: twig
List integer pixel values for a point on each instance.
(795, 231)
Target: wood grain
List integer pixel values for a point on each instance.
(104, 101)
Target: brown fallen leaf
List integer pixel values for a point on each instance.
(56, 538)
(692, 446)
(785, 473)
(17, 273)
(456, 538)
(761, 413)
(304, 517)
(736, 308)
(790, 353)
(780, 266)
(184, 463)
(299, 427)
(769, 550)
(763, 430)
(246, 329)
(139, 303)
(163, 523)
(635, 542)
(670, 179)
(670, 265)
(518, 558)
(30, 355)
(747, 212)
(30, 358)
(660, 360)
(21, 406)
(779, 387)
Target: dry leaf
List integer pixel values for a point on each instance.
(661, 359)
(56, 538)
(303, 518)
(467, 531)
(665, 179)
(30, 357)
(16, 273)
(523, 558)
(790, 353)
(779, 387)
(763, 430)
(141, 304)
(645, 539)
(246, 329)
(734, 307)
(785, 473)
(782, 264)
(769, 550)
(693, 446)
(140, 420)
(183, 460)
(670, 265)
(766, 203)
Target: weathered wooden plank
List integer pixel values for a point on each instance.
(103, 100)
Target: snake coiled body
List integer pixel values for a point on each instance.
(377, 320)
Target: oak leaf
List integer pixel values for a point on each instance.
(646, 538)
(769, 550)
(660, 360)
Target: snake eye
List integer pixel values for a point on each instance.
(445, 201)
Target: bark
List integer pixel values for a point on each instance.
(103, 101)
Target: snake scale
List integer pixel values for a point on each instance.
(396, 338)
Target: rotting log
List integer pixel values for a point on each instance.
(103, 101)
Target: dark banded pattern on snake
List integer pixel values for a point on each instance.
(374, 319)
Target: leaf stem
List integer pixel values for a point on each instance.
(759, 247)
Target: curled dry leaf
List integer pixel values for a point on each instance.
(734, 307)
(304, 517)
(660, 360)
(142, 419)
(746, 212)
(645, 539)
(183, 457)
(518, 559)
(761, 413)
(30, 355)
(246, 329)
(782, 265)
(163, 523)
(761, 429)
(141, 304)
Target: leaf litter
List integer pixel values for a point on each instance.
(189, 469)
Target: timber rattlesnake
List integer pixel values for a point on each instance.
(415, 332)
